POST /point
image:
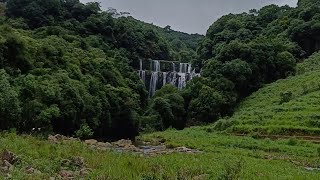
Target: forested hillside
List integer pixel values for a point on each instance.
(65, 67)
(68, 67)
(242, 52)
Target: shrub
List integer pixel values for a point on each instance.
(84, 132)
(285, 97)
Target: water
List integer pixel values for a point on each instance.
(153, 83)
(155, 69)
(182, 81)
(178, 79)
(164, 78)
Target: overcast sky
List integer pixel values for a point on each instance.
(192, 16)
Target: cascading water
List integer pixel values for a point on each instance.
(142, 73)
(178, 79)
(164, 78)
(154, 77)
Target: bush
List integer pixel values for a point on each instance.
(84, 132)
(285, 97)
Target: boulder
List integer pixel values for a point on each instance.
(65, 174)
(78, 161)
(10, 157)
(123, 143)
(84, 172)
(6, 167)
(104, 145)
(91, 142)
(58, 138)
(31, 170)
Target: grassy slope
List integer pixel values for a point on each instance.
(263, 111)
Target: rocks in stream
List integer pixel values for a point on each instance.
(126, 145)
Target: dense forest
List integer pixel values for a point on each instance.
(66, 67)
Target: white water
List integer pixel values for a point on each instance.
(155, 68)
(164, 78)
(178, 79)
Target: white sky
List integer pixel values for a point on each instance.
(191, 16)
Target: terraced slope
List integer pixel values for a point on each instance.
(286, 107)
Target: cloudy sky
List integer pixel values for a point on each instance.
(192, 16)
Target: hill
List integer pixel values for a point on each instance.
(287, 107)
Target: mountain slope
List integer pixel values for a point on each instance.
(286, 107)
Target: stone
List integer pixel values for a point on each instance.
(9, 156)
(123, 143)
(104, 145)
(57, 138)
(52, 139)
(85, 172)
(31, 170)
(66, 174)
(187, 150)
(201, 177)
(91, 142)
(78, 161)
(132, 148)
(6, 167)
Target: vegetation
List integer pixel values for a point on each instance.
(223, 157)
(286, 107)
(67, 67)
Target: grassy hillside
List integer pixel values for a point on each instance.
(289, 106)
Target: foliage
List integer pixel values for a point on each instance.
(84, 132)
(222, 156)
(286, 107)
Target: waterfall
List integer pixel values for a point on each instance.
(153, 83)
(142, 73)
(182, 81)
(189, 68)
(164, 78)
(173, 67)
(140, 64)
(176, 77)
(155, 69)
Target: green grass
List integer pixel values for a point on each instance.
(223, 157)
(287, 107)
(269, 112)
